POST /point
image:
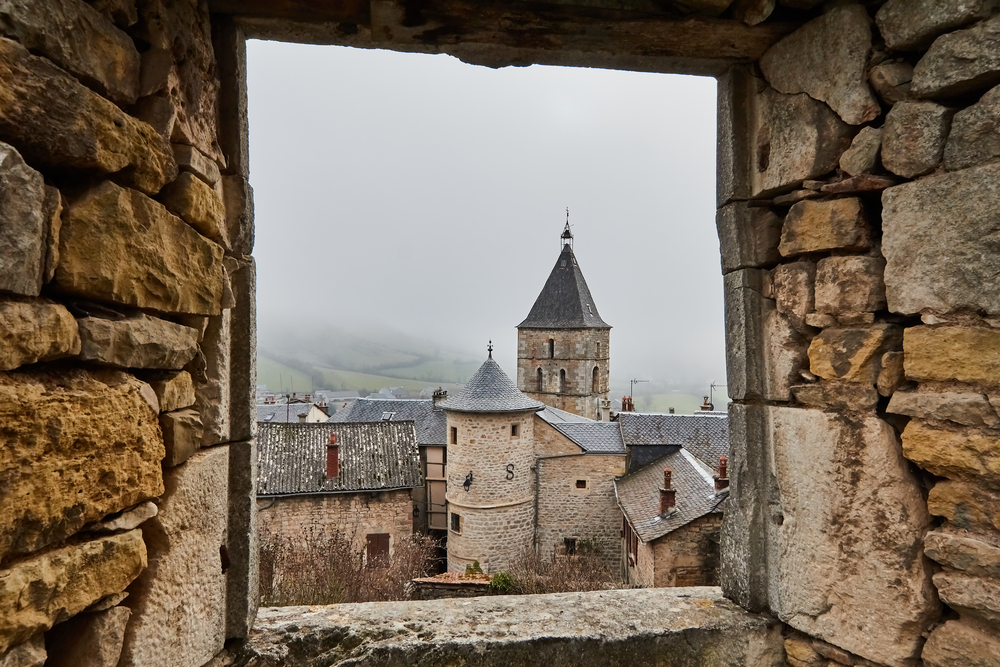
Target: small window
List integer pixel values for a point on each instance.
(515, 430)
(596, 380)
(570, 544)
(378, 548)
(539, 379)
(387, 416)
(454, 435)
(552, 348)
(562, 380)
(581, 484)
(456, 523)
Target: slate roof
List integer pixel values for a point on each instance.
(555, 415)
(638, 495)
(565, 301)
(282, 412)
(291, 458)
(490, 390)
(590, 435)
(704, 435)
(431, 424)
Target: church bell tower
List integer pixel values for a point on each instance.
(563, 353)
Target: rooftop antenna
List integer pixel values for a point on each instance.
(567, 235)
(711, 391)
(632, 384)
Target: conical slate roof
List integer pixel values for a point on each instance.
(565, 301)
(490, 390)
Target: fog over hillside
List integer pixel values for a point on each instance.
(411, 205)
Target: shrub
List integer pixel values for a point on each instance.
(502, 583)
(583, 571)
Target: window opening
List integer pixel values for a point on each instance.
(552, 349)
(378, 548)
(581, 484)
(570, 544)
(596, 381)
(454, 435)
(515, 430)
(456, 523)
(562, 380)
(539, 379)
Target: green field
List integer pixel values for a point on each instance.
(281, 378)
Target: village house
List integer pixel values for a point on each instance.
(321, 482)
(290, 413)
(672, 497)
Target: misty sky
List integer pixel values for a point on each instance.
(419, 193)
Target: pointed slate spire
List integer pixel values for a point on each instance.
(490, 390)
(565, 301)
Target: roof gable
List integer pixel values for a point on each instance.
(565, 301)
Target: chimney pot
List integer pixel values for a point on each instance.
(667, 473)
(333, 439)
(722, 479)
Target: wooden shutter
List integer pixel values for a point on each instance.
(378, 547)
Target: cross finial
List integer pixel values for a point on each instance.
(489, 348)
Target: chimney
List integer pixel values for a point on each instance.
(439, 395)
(722, 475)
(707, 406)
(308, 398)
(605, 410)
(302, 417)
(668, 496)
(671, 410)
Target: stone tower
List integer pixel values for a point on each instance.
(563, 354)
(491, 487)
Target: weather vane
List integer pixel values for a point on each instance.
(489, 348)
(567, 236)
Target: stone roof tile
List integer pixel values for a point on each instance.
(565, 301)
(490, 390)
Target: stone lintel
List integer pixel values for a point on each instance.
(680, 626)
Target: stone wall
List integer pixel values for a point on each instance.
(576, 351)
(858, 233)
(566, 511)
(689, 556)
(309, 521)
(126, 311)
(497, 511)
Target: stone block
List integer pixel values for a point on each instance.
(242, 590)
(139, 341)
(970, 596)
(963, 354)
(841, 396)
(958, 644)
(29, 654)
(212, 390)
(24, 225)
(795, 138)
(972, 455)
(850, 285)
(931, 262)
(119, 245)
(238, 197)
(159, 113)
(156, 67)
(839, 521)
(963, 552)
(827, 59)
(57, 122)
(193, 160)
(35, 330)
(680, 627)
(763, 351)
(243, 359)
(736, 92)
(854, 353)
(179, 603)
(182, 435)
(968, 506)
(88, 640)
(960, 62)
(752, 12)
(127, 520)
(914, 136)
(197, 204)
(799, 653)
(79, 39)
(962, 408)
(78, 445)
(48, 588)
(813, 226)
(53, 213)
(794, 291)
(862, 156)
(973, 139)
(748, 237)
(891, 80)
(173, 390)
(908, 25)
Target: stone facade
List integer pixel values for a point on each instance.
(494, 520)
(567, 511)
(688, 556)
(575, 355)
(285, 521)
